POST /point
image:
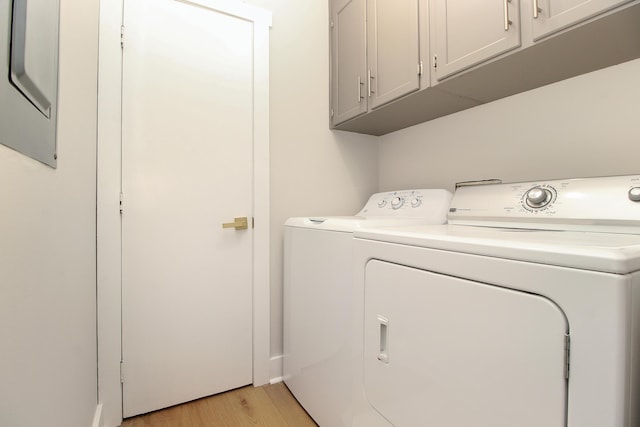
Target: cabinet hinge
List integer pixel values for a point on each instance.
(253, 222)
(332, 112)
(121, 202)
(331, 23)
(420, 69)
(567, 355)
(122, 36)
(435, 61)
(121, 372)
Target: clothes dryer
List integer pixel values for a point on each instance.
(318, 304)
(524, 310)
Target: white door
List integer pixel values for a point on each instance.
(453, 352)
(467, 33)
(186, 170)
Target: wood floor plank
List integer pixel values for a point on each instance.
(247, 406)
(294, 415)
(266, 406)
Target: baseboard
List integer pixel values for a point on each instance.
(97, 417)
(275, 369)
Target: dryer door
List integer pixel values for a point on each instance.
(444, 351)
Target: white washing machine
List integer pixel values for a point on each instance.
(522, 311)
(318, 289)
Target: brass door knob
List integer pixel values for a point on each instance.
(238, 223)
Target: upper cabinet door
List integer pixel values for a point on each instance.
(348, 59)
(469, 32)
(550, 16)
(393, 48)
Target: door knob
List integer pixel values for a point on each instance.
(238, 223)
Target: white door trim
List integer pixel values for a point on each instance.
(108, 199)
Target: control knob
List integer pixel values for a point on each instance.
(415, 202)
(634, 194)
(538, 197)
(397, 202)
(382, 203)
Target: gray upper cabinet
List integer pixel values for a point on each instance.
(466, 33)
(348, 59)
(375, 54)
(397, 63)
(550, 16)
(393, 50)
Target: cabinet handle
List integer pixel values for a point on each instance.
(536, 9)
(359, 89)
(369, 78)
(507, 21)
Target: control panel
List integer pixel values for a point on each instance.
(406, 203)
(590, 204)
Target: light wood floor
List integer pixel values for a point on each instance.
(266, 406)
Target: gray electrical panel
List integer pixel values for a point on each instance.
(29, 77)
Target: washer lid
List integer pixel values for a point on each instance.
(349, 224)
(613, 253)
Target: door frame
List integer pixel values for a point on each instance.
(108, 239)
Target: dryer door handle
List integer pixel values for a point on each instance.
(383, 353)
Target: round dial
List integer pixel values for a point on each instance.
(397, 202)
(382, 203)
(538, 197)
(634, 194)
(415, 202)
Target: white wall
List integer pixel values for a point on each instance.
(314, 171)
(585, 126)
(47, 252)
